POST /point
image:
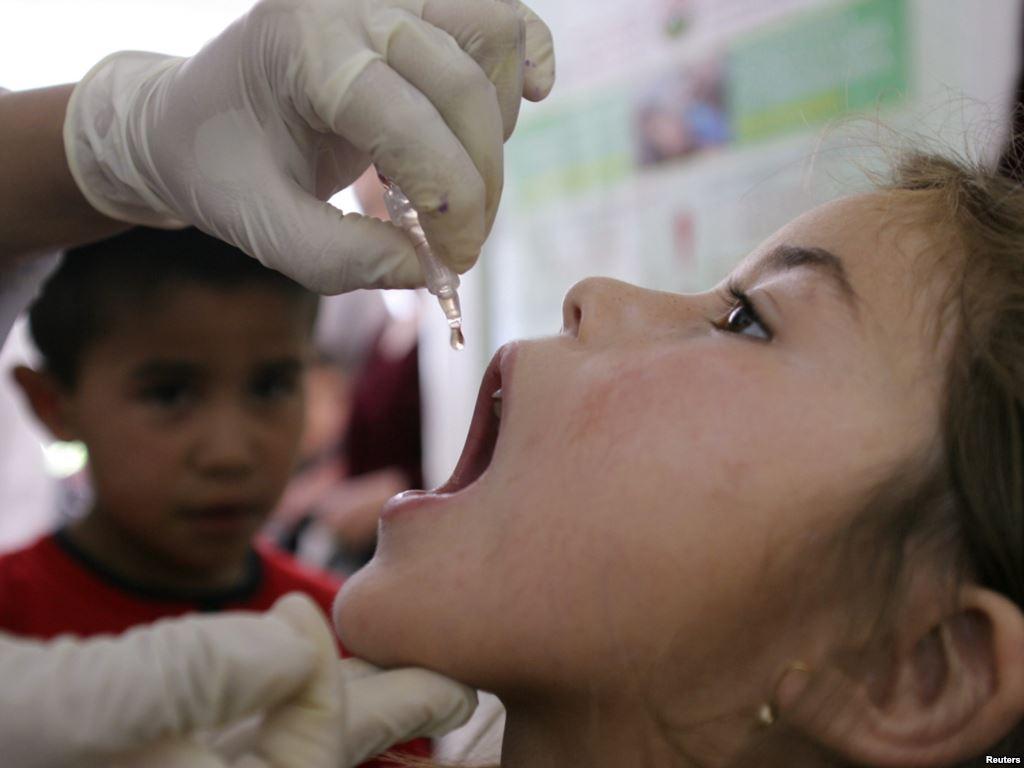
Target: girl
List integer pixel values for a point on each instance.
(779, 523)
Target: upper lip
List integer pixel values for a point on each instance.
(484, 428)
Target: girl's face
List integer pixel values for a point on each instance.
(658, 466)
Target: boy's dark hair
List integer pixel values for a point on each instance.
(127, 272)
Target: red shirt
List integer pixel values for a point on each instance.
(52, 588)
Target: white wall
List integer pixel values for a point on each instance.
(45, 42)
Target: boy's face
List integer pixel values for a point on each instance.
(191, 407)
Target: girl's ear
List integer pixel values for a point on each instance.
(48, 400)
(943, 692)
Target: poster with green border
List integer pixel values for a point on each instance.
(818, 66)
(572, 150)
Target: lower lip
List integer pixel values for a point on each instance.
(223, 524)
(408, 502)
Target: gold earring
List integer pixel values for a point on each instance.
(768, 712)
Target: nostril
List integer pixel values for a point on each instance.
(599, 295)
(610, 308)
(572, 315)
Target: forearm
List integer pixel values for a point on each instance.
(41, 207)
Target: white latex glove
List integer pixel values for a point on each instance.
(387, 707)
(290, 104)
(73, 702)
(349, 711)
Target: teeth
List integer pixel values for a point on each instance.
(496, 397)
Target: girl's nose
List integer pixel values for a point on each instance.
(599, 309)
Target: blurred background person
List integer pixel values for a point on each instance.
(179, 363)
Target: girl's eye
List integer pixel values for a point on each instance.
(743, 318)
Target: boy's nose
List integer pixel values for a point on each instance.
(226, 446)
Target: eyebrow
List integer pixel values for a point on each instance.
(159, 369)
(155, 369)
(785, 257)
(289, 366)
(284, 363)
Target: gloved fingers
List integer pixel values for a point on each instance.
(388, 258)
(329, 251)
(116, 694)
(251, 761)
(298, 611)
(286, 227)
(486, 33)
(539, 61)
(221, 668)
(176, 753)
(410, 142)
(352, 669)
(462, 93)
(493, 34)
(388, 707)
(235, 740)
(338, 167)
(306, 732)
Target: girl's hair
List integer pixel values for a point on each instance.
(984, 413)
(956, 513)
(982, 510)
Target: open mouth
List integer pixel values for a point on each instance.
(482, 439)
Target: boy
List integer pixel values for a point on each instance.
(178, 361)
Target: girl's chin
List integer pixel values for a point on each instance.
(347, 613)
(362, 618)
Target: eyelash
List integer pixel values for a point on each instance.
(737, 298)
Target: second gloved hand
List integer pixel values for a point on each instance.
(88, 702)
(348, 711)
(247, 138)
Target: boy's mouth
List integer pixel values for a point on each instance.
(223, 516)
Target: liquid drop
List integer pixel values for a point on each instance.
(456, 339)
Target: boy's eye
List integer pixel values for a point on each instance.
(743, 319)
(167, 394)
(271, 385)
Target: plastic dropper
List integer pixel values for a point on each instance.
(441, 281)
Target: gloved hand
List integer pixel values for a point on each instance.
(290, 104)
(73, 702)
(347, 712)
(387, 707)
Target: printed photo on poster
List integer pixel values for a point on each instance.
(681, 113)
